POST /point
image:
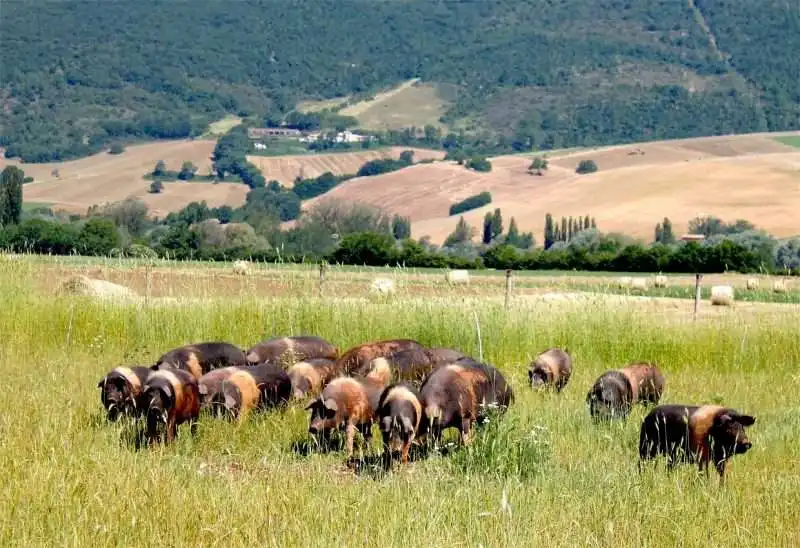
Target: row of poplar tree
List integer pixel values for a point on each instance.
(11, 182)
(569, 227)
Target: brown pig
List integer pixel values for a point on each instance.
(694, 434)
(440, 356)
(399, 414)
(210, 386)
(357, 359)
(201, 358)
(459, 394)
(253, 388)
(550, 369)
(286, 351)
(413, 364)
(309, 377)
(170, 397)
(348, 403)
(121, 390)
(615, 392)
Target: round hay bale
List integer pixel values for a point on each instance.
(241, 268)
(752, 284)
(779, 286)
(660, 281)
(457, 277)
(88, 287)
(624, 282)
(639, 283)
(383, 286)
(722, 295)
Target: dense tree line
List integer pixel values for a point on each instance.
(355, 234)
(79, 76)
(471, 202)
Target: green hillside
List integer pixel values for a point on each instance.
(77, 75)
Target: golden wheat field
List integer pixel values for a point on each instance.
(541, 475)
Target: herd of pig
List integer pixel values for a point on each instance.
(411, 391)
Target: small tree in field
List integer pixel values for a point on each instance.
(160, 170)
(188, 169)
(116, 148)
(538, 166)
(549, 231)
(156, 187)
(463, 233)
(11, 182)
(586, 166)
(487, 228)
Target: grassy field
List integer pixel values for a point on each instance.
(221, 127)
(411, 104)
(71, 479)
(791, 140)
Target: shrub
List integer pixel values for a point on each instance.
(98, 237)
(116, 148)
(472, 202)
(479, 163)
(188, 170)
(310, 188)
(156, 187)
(367, 248)
(787, 255)
(586, 166)
(378, 167)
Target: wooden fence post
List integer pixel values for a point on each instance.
(508, 288)
(697, 278)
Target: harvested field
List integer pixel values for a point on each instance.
(285, 169)
(737, 177)
(110, 178)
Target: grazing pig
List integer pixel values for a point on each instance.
(350, 403)
(121, 390)
(398, 414)
(551, 369)
(201, 358)
(407, 365)
(274, 384)
(210, 386)
(615, 392)
(415, 364)
(170, 397)
(253, 388)
(358, 358)
(458, 394)
(309, 377)
(439, 356)
(694, 434)
(289, 350)
(239, 394)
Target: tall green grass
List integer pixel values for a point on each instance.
(542, 475)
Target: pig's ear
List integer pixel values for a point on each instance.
(102, 382)
(312, 404)
(746, 420)
(331, 404)
(722, 419)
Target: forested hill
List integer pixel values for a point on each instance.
(77, 75)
